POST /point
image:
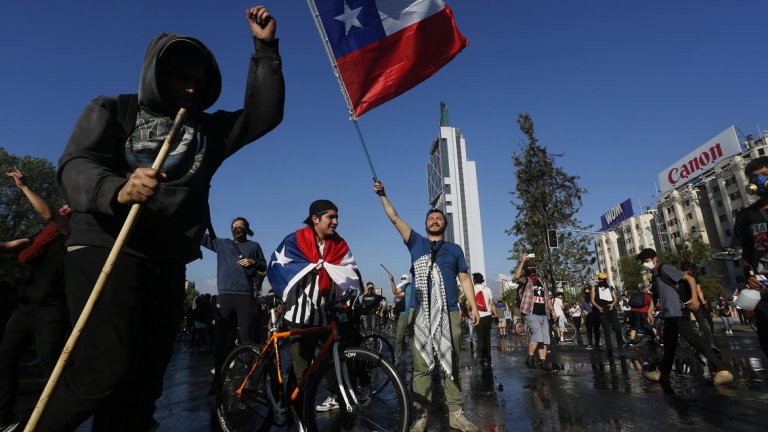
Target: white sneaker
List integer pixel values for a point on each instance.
(329, 404)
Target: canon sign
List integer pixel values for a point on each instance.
(724, 145)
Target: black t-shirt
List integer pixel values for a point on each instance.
(46, 275)
(539, 305)
(750, 232)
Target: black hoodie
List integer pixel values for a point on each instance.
(102, 153)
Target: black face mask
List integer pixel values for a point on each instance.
(531, 271)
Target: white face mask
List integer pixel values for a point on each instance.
(649, 265)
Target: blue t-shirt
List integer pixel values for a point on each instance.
(450, 260)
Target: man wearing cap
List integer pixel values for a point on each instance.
(437, 332)
(536, 306)
(604, 301)
(310, 269)
(402, 291)
(123, 351)
(240, 269)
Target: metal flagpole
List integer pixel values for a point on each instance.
(344, 92)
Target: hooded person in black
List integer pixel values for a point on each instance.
(116, 371)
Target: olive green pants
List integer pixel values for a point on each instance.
(422, 382)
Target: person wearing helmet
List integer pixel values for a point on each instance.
(604, 300)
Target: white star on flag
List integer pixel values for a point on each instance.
(281, 258)
(349, 17)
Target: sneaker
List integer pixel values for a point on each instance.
(589, 347)
(457, 420)
(562, 339)
(420, 424)
(329, 404)
(631, 343)
(723, 377)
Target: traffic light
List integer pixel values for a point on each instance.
(552, 238)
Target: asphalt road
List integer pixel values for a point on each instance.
(590, 392)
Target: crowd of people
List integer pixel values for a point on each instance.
(123, 351)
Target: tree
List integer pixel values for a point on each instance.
(18, 219)
(190, 294)
(547, 197)
(632, 272)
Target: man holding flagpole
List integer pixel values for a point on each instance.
(437, 264)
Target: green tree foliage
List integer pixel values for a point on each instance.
(18, 219)
(547, 197)
(190, 294)
(632, 272)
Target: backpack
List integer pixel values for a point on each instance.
(683, 289)
(480, 300)
(637, 300)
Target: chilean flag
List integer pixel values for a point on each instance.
(298, 255)
(383, 48)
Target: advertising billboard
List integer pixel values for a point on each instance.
(617, 214)
(706, 156)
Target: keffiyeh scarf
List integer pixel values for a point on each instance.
(432, 331)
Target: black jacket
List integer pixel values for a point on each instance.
(104, 150)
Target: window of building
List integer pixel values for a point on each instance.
(447, 189)
(669, 209)
(716, 189)
(727, 233)
(761, 152)
(719, 203)
(723, 218)
(734, 212)
(687, 203)
(689, 216)
(734, 196)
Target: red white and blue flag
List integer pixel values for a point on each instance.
(383, 48)
(298, 254)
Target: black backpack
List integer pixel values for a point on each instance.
(637, 300)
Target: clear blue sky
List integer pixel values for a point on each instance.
(621, 88)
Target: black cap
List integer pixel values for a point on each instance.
(319, 207)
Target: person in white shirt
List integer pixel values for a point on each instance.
(560, 320)
(487, 309)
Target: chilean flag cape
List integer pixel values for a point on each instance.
(298, 255)
(383, 48)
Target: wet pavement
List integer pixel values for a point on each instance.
(591, 392)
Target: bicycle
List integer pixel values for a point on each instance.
(254, 396)
(728, 254)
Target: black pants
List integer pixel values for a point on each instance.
(761, 321)
(115, 372)
(237, 315)
(682, 327)
(701, 320)
(484, 337)
(577, 326)
(48, 326)
(593, 328)
(742, 316)
(609, 319)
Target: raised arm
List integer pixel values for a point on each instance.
(42, 207)
(400, 225)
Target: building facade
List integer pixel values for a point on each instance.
(452, 187)
(629, 237)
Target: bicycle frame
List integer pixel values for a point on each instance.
(330, 343)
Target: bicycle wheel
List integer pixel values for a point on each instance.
(570, 332)
(388, 410)
(251, 410)
(378, 344)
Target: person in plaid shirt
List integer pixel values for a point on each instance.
(536, 307)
